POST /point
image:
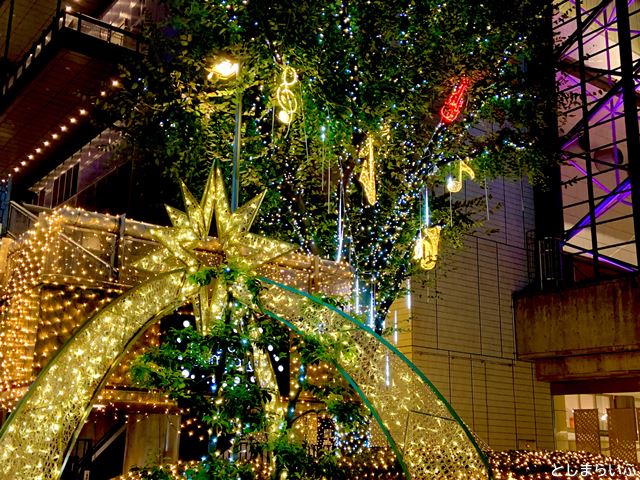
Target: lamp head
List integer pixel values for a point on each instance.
(224, 69)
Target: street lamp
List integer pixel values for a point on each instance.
(225, 69)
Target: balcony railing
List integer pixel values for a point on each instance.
(554, 263)
(75, 22)
(105, 248)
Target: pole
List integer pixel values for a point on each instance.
(236, 154)
(630, 114)
(8, 36)
(587, 140)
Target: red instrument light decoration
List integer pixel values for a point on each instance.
(455, 101)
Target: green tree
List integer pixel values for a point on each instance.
(366, 69)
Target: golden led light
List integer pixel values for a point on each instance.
(427, 246)
(368, 175)
(224, 68)
(241, 248)
(284, 117)
(82, 111)
(455, 185)
(285, 98)
(410, 410)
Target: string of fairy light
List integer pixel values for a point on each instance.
(391, 400)
(345, 23)
(65, 128)
(52, 307)
(34, 323)
(510, 465)
(368, 264)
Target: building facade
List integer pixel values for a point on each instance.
(460, 329)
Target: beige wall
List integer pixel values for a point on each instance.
(151, 439)
(461, 330)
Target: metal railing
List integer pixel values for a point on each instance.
(100, 30)
(21, 219)
(71, 21)
(554, 263)
(94, 247)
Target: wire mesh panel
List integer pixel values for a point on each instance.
(622, 433)
(587, 430)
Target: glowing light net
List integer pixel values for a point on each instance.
(428, 437)
(35, 440)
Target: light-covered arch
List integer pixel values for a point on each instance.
(37, 437)
(426, 434)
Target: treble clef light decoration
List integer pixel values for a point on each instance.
(286, 99)
(455, 101)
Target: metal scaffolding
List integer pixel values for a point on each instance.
(597, 53)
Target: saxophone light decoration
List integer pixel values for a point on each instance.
(454, 102)
(368, 175)
(427, 246)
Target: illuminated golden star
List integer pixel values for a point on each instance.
(242, 249)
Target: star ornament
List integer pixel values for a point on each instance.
(241, 249)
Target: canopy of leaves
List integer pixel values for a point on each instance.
(374, 69)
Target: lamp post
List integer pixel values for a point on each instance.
(226, 69)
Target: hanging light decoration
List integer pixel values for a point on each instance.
(426, 249)
(454, 185)
(368, 175)
(455, 101)
(286, 99)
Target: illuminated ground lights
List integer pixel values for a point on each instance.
(508, 465)
(375, 464)
(549, 465)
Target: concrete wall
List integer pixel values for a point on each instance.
(594, 318)
(461, 328)
(582, 333)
